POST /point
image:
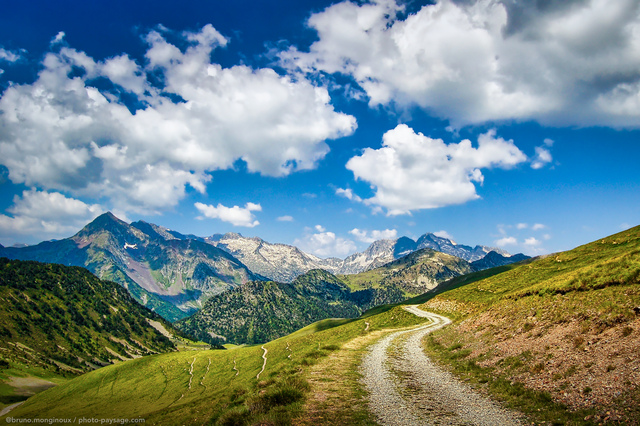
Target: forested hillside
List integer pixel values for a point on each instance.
(65, 319)
(258, 312)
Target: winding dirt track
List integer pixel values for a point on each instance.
(264, 364)
(406, 388)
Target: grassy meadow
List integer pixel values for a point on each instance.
(212, 386)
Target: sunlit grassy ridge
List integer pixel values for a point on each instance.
(610, 263)
(556, 337)
(201, 387)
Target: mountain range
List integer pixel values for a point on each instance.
(171, 275)
(281, 262)
(174, 274)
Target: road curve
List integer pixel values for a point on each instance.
(406, 388)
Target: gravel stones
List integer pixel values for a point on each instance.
(406, 388)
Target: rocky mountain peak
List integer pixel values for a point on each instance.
(104, 221)
(380, 247)
(493, 259)
(118, 230)
(404, 246)
(163, 269)
(449, 246)
(232, 236)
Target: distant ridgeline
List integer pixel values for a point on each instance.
(283, 263)
(174, 274)
(65, 319)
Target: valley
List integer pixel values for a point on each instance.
(60, 322)
(224, 384)
(554, 339)
(176, 275)
(260, 311)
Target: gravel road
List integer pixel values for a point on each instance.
(406, 388)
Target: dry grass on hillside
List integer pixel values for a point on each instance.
(585, 364)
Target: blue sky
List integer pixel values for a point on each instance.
(323, 124)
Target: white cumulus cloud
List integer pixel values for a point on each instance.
(9, 56)
(412, 171)
(532, 242)
(194, 117)
(520, 238)
(348, 194)
(472, 61)
(374, 235)
(542, 158)
(324, 244)
(237, 216)
(506, 241)
(59, 38)
(285, 218)
(42, 213)
(443, 234)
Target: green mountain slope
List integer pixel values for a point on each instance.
(65, 321)
(257, 312)
(609, 262)
(564, 330)
(172, 276)
(408, 276)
